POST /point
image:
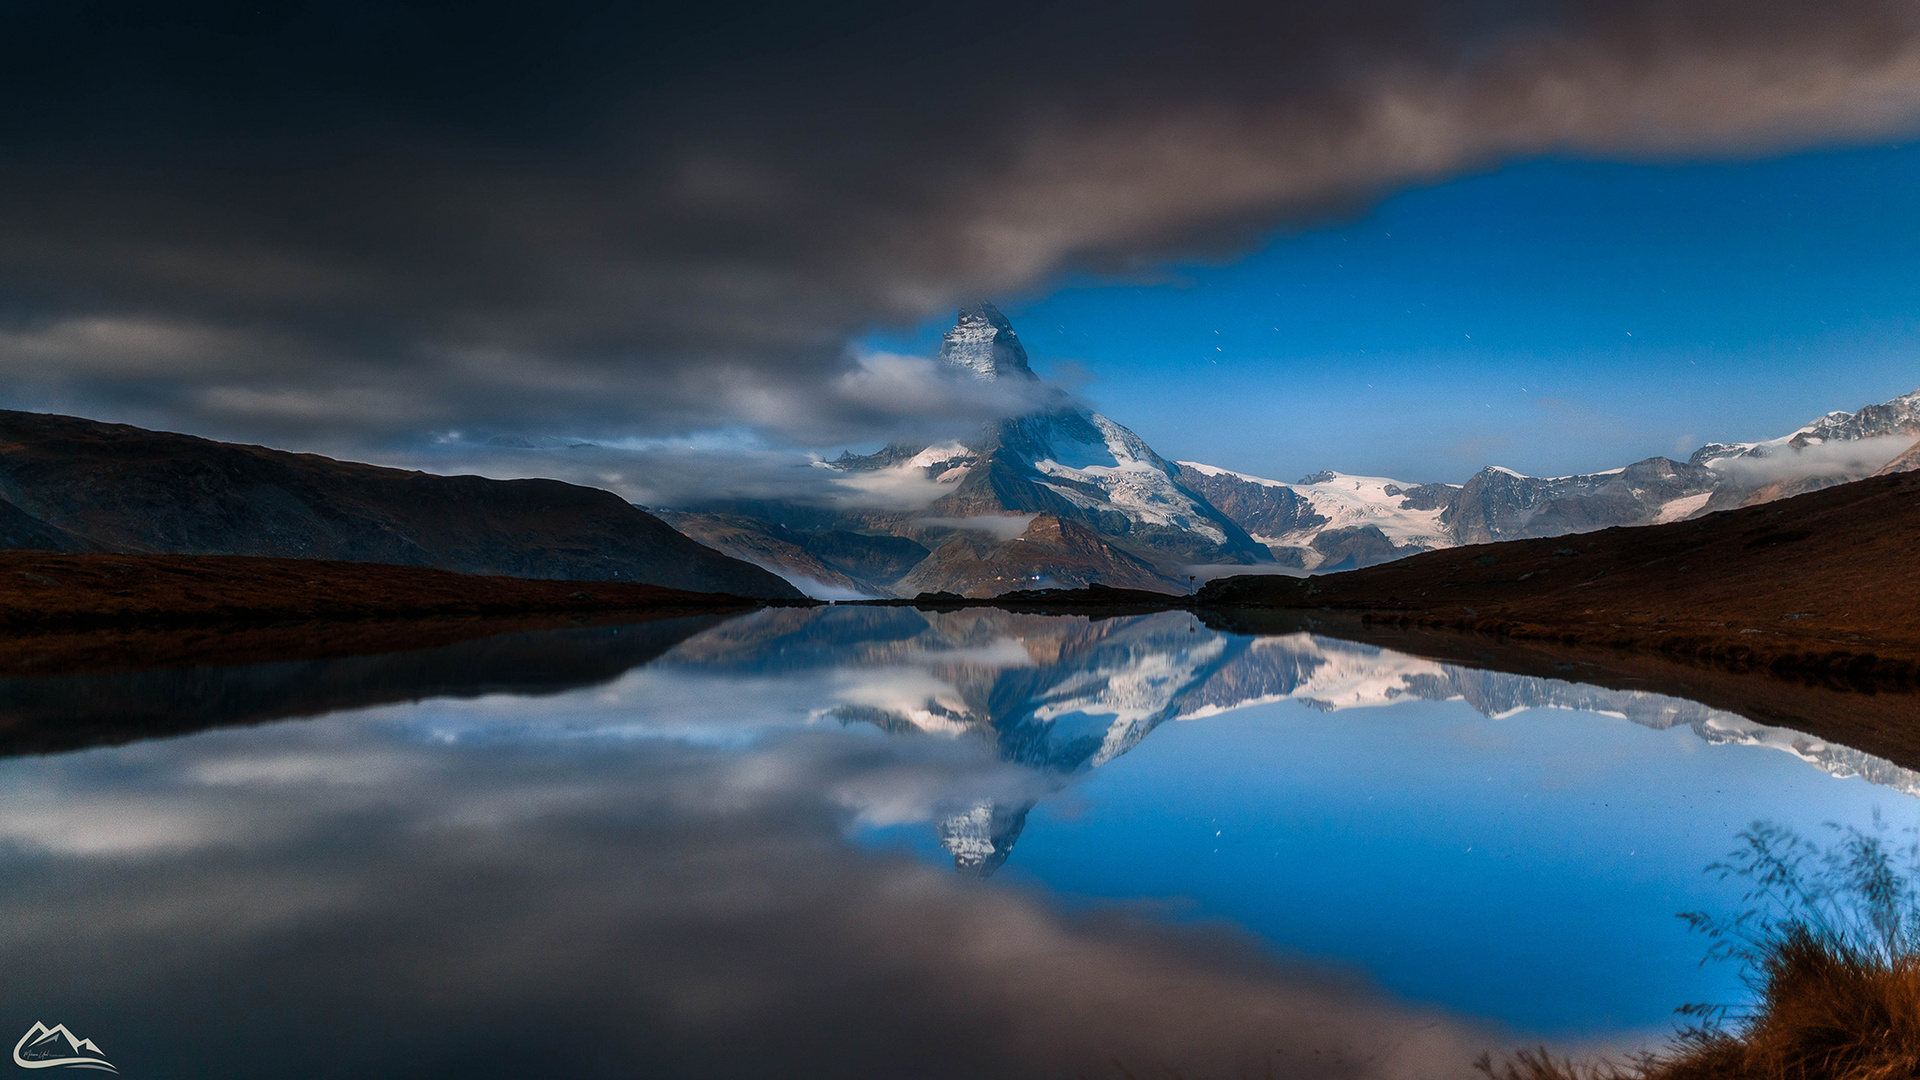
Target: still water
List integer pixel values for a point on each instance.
(876, 842)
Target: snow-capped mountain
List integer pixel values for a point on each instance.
(1899, 417)
(1500, 504)
(1064, 497)
(983, 342)
(1834, 449)
(1331, 521)
(1061, 497)
(1068, 462)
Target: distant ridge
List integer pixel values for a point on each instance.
(68, 484)
(1063, 497)
(1332, 521)
(1824, 582)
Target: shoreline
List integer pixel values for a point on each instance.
(1823, 587)
(43, 592)
(1861, 710)
(1827, 582)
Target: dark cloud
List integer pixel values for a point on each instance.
(351, 224)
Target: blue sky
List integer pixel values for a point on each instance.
(1552, 316)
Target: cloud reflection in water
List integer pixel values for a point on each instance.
(650, 874)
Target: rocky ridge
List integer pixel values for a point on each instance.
(68, 484)
(1060, 497)
(1120, 514)
(1332, 521)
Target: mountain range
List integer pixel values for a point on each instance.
(74, 485)
(1059, 497)
(1064, 497)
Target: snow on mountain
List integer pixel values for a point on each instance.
(1681, 508)
(1335, 521)
(1332, 675)
(1070, 496)
(1834, 449)
(1900, 416)
(1840, 761)
(1099, 465)
(1501, 504)
(906, 478)
(1131, 698)
(983, 342)
(1102, 505)
(1375, 500)
(1329, 519)
(1332, 521)
(1090, 461)
(946, 463)
(981, 837)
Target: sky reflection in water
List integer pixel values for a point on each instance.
(1198, 849)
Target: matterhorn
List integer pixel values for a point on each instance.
(1061, 497)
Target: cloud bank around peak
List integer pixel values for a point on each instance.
(1848, 459)
(355, 224)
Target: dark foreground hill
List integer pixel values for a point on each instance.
(74, 485)
(48, 592)
(1828, 580)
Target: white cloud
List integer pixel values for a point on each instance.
(1850, 459)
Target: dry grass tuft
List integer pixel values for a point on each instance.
(1833, 957)
(1830, 1012)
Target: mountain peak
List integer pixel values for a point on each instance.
(983, 341)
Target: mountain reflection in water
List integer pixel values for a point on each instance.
(625, 851)
(1063, 695)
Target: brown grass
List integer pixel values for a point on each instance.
(1828, 1011)
(1828, 581)
(44, 591)
(63, 614)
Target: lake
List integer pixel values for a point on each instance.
(885, 842)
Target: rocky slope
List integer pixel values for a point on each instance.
(1331, 521)
(76, 485)
(1051, 552)
(1109, 508)
(1820, 582)
(1908, 461)
(1499, 504)
(834, 564)
(1899, 418)
(1079, 467)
